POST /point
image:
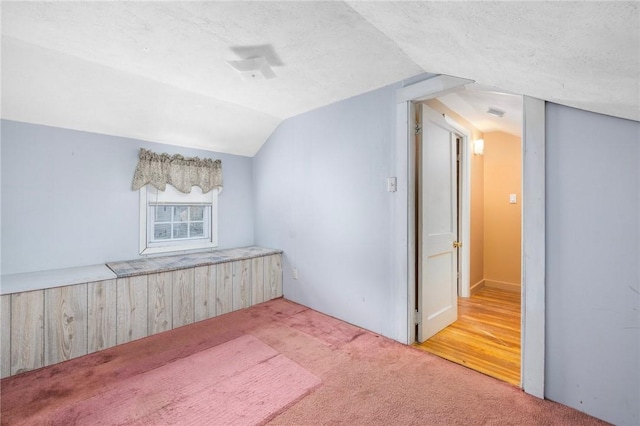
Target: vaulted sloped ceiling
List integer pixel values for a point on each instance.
(157, 70)
(582, 54)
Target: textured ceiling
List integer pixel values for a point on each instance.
(581, 54)
(157, 70)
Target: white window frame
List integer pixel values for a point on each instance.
(148, 196)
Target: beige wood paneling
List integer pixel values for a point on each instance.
(276, 270)
(273, 276)
(131, 317)
(257, 280)
(183, 302)
(160, 306)
(241, 284)
(5, 335)
(101, 315)
(65, 323)
(224, 288)
(205, 292)
(270, 282)
(47, 326)
(27, 331)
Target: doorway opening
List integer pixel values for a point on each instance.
(468, 251)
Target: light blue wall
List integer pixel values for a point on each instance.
(67, 198)
(593, 263)
(319, 193)
(321, 196)
(319, 185)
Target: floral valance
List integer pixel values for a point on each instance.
(178, 171)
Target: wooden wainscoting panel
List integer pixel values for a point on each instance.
(224, 288)
(273, 274)
(257, 280)
(277, 265)
(65, 323)
(5, 335)
(183, 301)
(27, 331)
(131, 317)
(101, 315)
(205, 292)
(160, 306)
(241, 284)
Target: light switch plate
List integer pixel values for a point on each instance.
(513, 199)
(392, 184)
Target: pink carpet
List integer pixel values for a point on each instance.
(241, 382)
(263, 365)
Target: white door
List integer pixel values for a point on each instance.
(437, 226)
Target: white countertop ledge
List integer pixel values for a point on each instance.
(29, 281)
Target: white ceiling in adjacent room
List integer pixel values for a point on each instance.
(159, 70)
(475, 102)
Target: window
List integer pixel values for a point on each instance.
(178, 222)
(173, 221)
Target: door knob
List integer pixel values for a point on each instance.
(457, 244)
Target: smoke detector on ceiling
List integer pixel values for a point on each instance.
(253, 68)
(495, 112)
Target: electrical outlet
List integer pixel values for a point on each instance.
(294, 273)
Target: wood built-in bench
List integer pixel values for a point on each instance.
(45, 320)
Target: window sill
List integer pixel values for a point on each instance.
(177, 249)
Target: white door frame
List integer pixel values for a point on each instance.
(533, 222)
(464, 206)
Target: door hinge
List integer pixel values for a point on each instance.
(417, 319)
(418, 128)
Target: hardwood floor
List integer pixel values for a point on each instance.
(486, 336)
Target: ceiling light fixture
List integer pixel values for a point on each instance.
(495, 112)
(253, 68)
